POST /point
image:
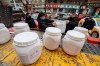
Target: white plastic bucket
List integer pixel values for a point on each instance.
(4, 34)
(52, 38)
(82, 30)
(61, 25)
(73, 42)
(20, 27)
(28, 47)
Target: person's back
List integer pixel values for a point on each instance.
(89, 23)
(30, 21)
(42, 24)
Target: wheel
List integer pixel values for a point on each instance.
(95, 35)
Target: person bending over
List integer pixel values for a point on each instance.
(30, 21)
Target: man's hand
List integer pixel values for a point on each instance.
(54, 24)
(67, 21)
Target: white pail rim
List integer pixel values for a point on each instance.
(53, 31)
(75, 35)
(26, 38)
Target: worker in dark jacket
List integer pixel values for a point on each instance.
(43, 22)
(30, 21)
(72, 21)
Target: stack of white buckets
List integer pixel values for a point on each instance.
(28, 46)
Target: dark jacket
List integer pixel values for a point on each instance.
(30, 22)
(73, 22)
(43, 24)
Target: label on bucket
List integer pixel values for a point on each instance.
(35, 55)
(24, 59)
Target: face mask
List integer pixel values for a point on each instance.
(43, 18)
(34, 16)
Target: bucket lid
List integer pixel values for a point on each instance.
(81, 29)
(75, 35)
(2, 25)
(25, 38)
(53, 31)
(20, 25)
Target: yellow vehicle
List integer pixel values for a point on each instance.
(95, 32)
